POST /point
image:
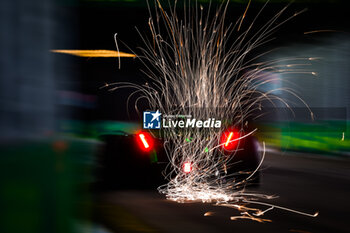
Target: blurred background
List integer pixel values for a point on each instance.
(52, 107)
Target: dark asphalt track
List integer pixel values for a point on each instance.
(302, 182)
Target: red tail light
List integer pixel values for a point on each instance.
(229, 139)
(145, 141)
(187, 167)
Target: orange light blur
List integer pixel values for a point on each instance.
(93, 53)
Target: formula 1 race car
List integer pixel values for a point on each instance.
(137, 160)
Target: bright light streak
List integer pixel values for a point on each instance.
(228, 139)
(93, 53)
(244, 14)
(143, 139)
(249, 217)
(317, 31)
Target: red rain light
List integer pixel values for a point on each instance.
(229, 139)
(187, 167)
(145, 141)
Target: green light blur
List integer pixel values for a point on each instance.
(314, 138)
(154, 157)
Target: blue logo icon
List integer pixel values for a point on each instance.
(151, 120)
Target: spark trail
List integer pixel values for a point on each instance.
(198, 65)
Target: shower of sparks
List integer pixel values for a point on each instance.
(93, 53)
(198, 66)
